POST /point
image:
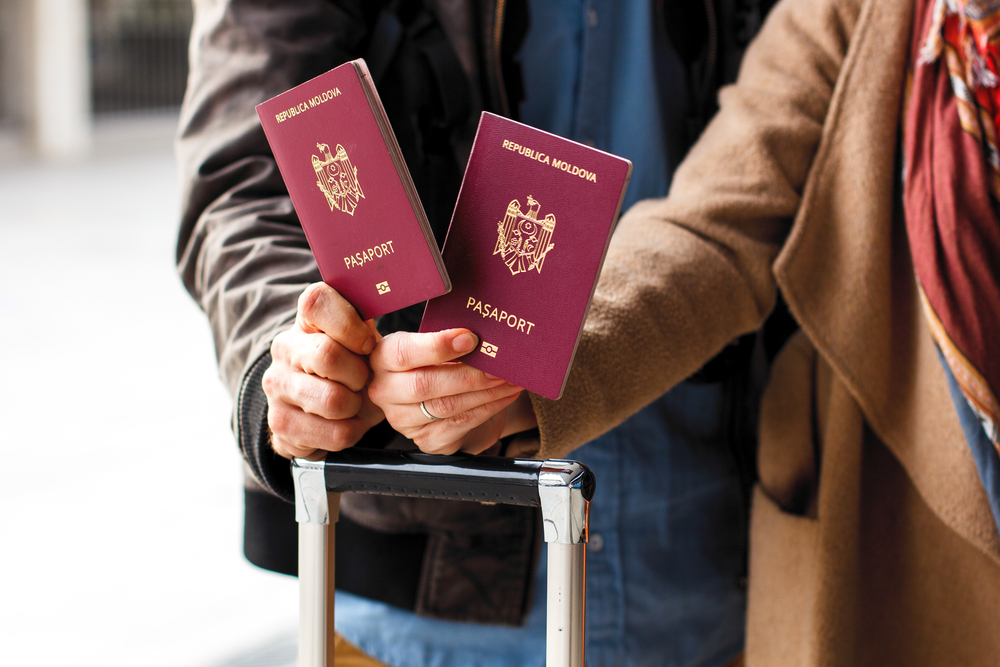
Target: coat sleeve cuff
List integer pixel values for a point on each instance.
(270, 470)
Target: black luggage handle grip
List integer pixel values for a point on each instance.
(492, 479)
(418, 475)
(562, 489)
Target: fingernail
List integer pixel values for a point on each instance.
(464, 343)
(490, 376)
(368, 346)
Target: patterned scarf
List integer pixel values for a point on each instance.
(951, 199)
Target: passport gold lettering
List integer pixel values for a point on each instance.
(312, 102)
(575, 171)
(359, 259)
(526, 152)
(491, 312)
(561, 165)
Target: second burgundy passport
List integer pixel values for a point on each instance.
(525, 248)
(352, 191)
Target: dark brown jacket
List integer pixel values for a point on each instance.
(244, 258)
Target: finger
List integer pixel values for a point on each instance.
(315, 395)
(520, 416)
(473, 431)
(446, 407)
(288, 450)
(369, 414)
(404, 351)
(321, 355)
(322, 309)
(422, 384)
(295, 433)
(482, 438)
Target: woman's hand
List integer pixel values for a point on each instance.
(316, 385)
(442, 405)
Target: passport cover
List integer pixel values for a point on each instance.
(525, 248)
(352, 191)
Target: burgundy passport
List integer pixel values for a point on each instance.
(525, 248)
(352, 191)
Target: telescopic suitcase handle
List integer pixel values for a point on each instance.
(562, 489)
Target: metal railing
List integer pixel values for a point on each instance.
(138, 52)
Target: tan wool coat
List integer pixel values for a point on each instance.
(872, 542)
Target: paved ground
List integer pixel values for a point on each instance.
(120, 496)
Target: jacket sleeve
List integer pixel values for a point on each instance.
(687, 274)
(241, 252)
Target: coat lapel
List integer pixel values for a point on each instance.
(848, 279)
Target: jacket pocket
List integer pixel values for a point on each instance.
(784, 531)
(787, 456)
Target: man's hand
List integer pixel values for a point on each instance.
(315, 387)
(470, 407)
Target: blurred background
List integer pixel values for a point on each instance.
(121, 498)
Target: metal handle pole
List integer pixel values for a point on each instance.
(313, 550)
(565, 612)
(315, 509)
(331, 555)
(565, 489)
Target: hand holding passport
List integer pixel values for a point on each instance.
(475, 410)
(524, 250)
(315, 383)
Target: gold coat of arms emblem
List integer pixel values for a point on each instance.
(337, 179)
(523, 241)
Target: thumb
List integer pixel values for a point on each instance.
(405, 351)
